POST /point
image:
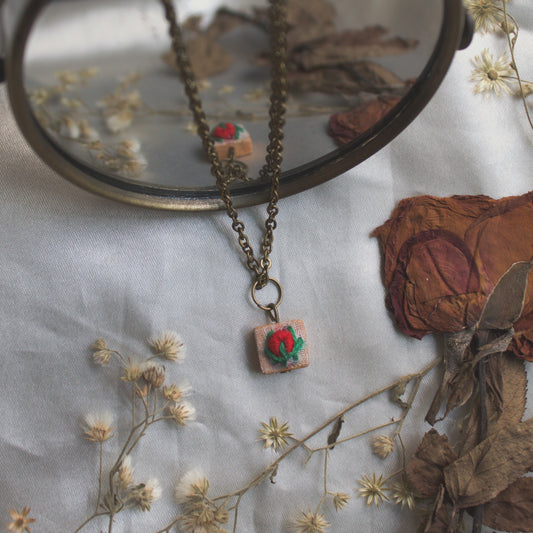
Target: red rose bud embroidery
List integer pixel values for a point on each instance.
(226, 130)
(283, 345)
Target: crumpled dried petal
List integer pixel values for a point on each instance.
(443, 256)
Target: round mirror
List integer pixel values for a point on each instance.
(94, 88)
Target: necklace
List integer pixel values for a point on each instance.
(281, 346)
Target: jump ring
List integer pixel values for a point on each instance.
(270, 306)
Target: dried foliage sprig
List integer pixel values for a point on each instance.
(152, 401)
(501, 75)
(199, 509)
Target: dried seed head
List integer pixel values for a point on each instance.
(382, 446)
(340, 500)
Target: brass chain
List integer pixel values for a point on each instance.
(272, 168)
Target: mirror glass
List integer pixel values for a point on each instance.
(99, 78)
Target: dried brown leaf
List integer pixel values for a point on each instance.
(441, 517)
(506, 398)
(455, 347)
(491, 466)
(335, 432)
(512, 509)
(397, 394)
(505, 302)
(207, 57)
(344, 127)
(425, 470)
(349, 46)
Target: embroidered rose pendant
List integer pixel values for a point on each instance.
(282, 347)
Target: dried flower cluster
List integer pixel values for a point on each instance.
(147, 380)
(498, 75)
(61, 110)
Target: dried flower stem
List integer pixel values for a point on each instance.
(271, 469)
(511, 44)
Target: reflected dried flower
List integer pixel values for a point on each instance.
(20, 521)
(402, 494)
(175, 393)
(310, 523)
(487, 14)
(67, 78)
(145, 494)
(39, 96)
(88, 73)
(168, 345)
(182, 413)
(274, 435)
(118, 121)
(69, 128)
(255, 94)
(192, 128)
(490, 75)
(154, 374)
(87, 133)
(98, 426)
(382, 446)
(340, 500)
(226, 89)
(70, 103)
(203, 85)
(372, 489)
(125, 473)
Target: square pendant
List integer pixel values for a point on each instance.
(282, 347)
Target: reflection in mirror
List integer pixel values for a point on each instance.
(100, 79)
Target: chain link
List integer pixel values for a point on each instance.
(272, 168)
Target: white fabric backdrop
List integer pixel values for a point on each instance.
(75, 267)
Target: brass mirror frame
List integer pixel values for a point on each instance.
(19, 18)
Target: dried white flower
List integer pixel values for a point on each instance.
(98, 426)
(487, 14)
(176, 393)
(182, 412)
(147, 493)
(403, 495)
(193, 486)
(274, 435)
(125, 473)
(491, 76)
(310, 523)
(133, 370)
(372, 489)
(154, 374)
(382, 446)
(168, 345)
(340, 500)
